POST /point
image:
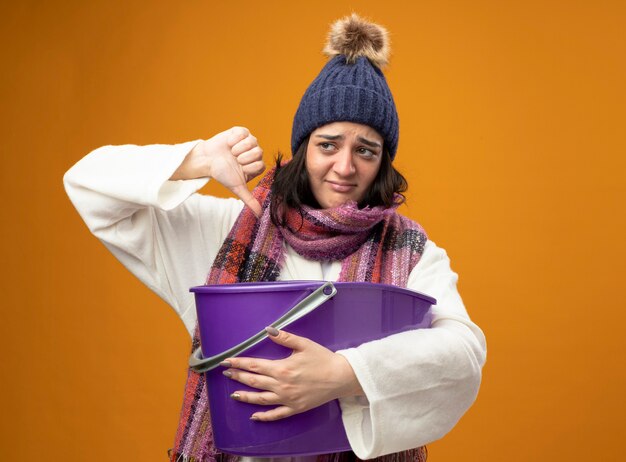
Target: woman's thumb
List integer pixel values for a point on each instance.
(285, 339)
(246, 196)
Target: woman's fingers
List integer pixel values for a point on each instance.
(249, 156)
(252, 162)
(244, 145)
(256, 365)
(263, 398)
(254, 169)
(312, 375)
(273, 414)
(258, 381)
(235, 134)
(235, 157)
(252, 155)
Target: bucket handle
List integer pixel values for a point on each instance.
(302, 308)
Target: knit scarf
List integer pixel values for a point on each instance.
(375, 245)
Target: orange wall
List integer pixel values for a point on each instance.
(512, 139)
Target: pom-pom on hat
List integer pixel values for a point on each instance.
(351, 87)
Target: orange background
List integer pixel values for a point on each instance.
(512, 139)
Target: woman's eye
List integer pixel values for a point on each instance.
(367, 153)
(326, 146)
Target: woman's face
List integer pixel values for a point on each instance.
(342, 161)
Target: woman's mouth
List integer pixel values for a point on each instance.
(341, 187)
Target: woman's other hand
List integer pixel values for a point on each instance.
(310, 377)
(232, 157)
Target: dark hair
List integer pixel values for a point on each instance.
(291, 185)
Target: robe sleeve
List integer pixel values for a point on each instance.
(162, 231)
(419, 383)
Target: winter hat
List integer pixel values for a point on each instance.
(351, 87)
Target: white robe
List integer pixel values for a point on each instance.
(417, 383)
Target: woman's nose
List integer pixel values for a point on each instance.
(344, 165)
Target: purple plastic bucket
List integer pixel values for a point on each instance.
(231, 313)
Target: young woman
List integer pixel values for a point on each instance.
(328, 214)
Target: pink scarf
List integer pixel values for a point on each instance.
(375, 245)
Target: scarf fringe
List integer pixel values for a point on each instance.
(219, 457)
(412, 455)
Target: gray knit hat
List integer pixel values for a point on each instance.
(351, 87)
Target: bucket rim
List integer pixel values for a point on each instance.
(272, 286)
